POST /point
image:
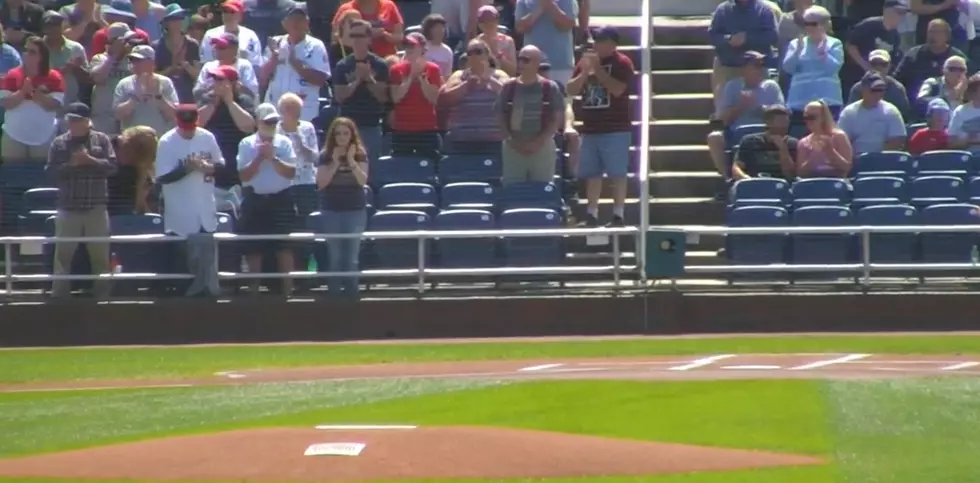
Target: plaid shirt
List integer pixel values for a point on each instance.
(84, 187)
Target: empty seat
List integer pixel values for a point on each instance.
(757, 249)
(932, 190)
(468, 195)
(403, 169)
(398, 253)
(530, 195)
(973, 190)
(40, 199)
(136, 257)
(744, 130)
(821, 192)
(820, 248)
(466, 252)
(949, 162)
(953, 247)
(456, 168)
(890, 247)
(884, 163)
(408, 196)
(532, 251)
(877, 190)
(761, 191)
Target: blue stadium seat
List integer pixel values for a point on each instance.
(821, 192)
(949, 247)
(756, 249)
(744, 130)
(229, 258)
(949, 162)
(885, 163)
(878, 190)
(466, 252)
(761, 191)
(135, 257)
(403, 169)
(36, 206)
(15, 180)
(409, 196)
(820, 248)
(468, 195)
(400, 253)
(530, 195)
(932, 190)
(891, 247)
(973, 190)
(528, 251)
(455, 168)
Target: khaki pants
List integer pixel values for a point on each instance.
(17, 152)
(94, 223)
(720, 75)
(538, 167)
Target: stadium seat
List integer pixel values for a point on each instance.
(136, 257)
(530, 195)
(455, 168)
(466, 252)
(878, 190)
(819, 248)
(15, 180)
(973, 191)
(744, 130)
(756, 249)
(885, 163)
(532, 251)
(761, 191)
(36, 206)
(932, 190)
(468, 195)
(409, 196)
(948, 162)
(403, 169)
(954, 247)
(890, 247)
(821, 192)
(398, 253)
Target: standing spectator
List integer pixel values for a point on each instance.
(67, 56)
(226, 47)
(22, 19)
(743, 100)
(814, 60)
(769, 154)
(246, 41)
(460, 16)
(341, 177)
(298, 63)
(80, 161)
(120, 11)
(384, 19)
(934, 136)
(226, 110)
(582, 30)
(177, 55)
(950, 86)
(360, 86)
(927, 60)
(9, 59)
(502, 48)
(84, 20)
(571, 138)
(964, 124)
(132, 188)
(149, 14)
(604, 78)
(549, 26)
(790, 25)
(948, 11)
(265, 17)
(197, 27)
(469, 96)
(530, 110)
(738, 26)
(895, 93)
(434, 31)
(415, 86)
(871, 34)
(862, 10)
(107, 70)
(31, 96)
(145, 98)
(907, 27)
(826, 151)
(342, 44)
(266, 165)
(187, 157)
(873, 124)
(302, 135)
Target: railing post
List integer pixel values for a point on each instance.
(866, 258)
(422, 255)
(646, 95)
(8, 269)
(616, 261)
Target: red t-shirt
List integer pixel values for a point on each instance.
(101, 38)
(29, 123)
(599, 110)
(414, 113)
(926, 139)
(386, 16)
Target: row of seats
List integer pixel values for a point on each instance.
(921, 191)
(451, 168)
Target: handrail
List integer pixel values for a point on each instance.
(646, 94)
(814, 230)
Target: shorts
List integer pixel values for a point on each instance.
(17, 152)
(272, 214)
(604, 153)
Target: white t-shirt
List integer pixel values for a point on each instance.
(965, 121)
(311, 52)
(246, 75)
(189, 203)
(29, 123)
(442, 56)
(249, 47)
(307, 150)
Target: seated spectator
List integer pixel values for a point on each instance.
(946, 11)
(197, 26)
(737, 27)
(267, 166)
(879, 32)
(873, 124)
(107, 70)
(742, 102)
(132, 189)
(342, 44)
(24, 19)
(341, 177)
(178, 56)
(769, 154)
(468, 96)
(964, 124)
(296, 62)
(949, 87)
(434, 31)
(934, 136)
(360, 87)
(246, 43)
(31, 96)
(604, 78)
(67, 56)
(80, 162)
(551, 30)
(226, 111)
(415, 84)
(814, 61)
(384, 19)
(502, 48)
(226, 50)
(880, 62)
(84, 20)
(826, 152)
(927, 60)
(530, 111)
(120, 11)
(145, 98)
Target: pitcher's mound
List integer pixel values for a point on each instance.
(263, 455)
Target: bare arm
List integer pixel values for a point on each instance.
(13, 100)
(399, 91)
(360, 172)
(615, 86)
(100, 74)
(563, 20)
(243, 120)
(525, 22)
(204, 113)
(430, 91)
(576, 83)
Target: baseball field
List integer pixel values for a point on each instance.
(754, 409)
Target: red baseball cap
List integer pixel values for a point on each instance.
(224, 72)
(414, 39)
(225, 40)
(233, 6)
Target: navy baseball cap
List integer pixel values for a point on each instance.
(873, 81)
(78, 111)
(606, 33)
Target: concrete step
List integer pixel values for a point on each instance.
(682, 106)
(678, 132)
(696, 81)
(663, 211)
(675, 8)
(685, 184)
(681, 31)
(680, 158)
(682, 57)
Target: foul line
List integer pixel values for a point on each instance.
(752, 367)
(705, 361)
(830, 362)
(542, 367)
(962, 365)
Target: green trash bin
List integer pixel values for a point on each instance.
(664, 254)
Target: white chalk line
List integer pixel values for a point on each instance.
(362, 427)
(702, 362)
(541, 367)
(962, 365)
(752, 367)
(830, 362)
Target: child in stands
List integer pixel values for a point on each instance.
(934, 135)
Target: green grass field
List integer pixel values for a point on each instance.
(900, 431)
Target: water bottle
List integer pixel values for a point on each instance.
(311, 265)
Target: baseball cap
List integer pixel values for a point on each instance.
(414, 39)
(486, 13)
(233, 6)
(118, 31)
(896, 4)
(266, 113)
(187, 116)
(174, 12)
(297, 10)
(120, 8)
(224, 72)
(880, 54)
(78, 110)
(606, 33)
(775, 109)
(52, 17)
(873, 81)
(225, 40)
(142, 52)
(937, 105)
(752, 57)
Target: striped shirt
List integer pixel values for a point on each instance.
(473, 118)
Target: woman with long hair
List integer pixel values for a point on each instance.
(814, 60)
(469, 96)
(826, 152)
(503, 51)
(136, 150)
(32, 95)
(434, 31)
(342, 44)
(341, 177)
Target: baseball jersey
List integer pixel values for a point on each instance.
(249, 46)
(313, 54)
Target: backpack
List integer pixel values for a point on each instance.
(509, 91)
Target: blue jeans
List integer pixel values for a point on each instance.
(372, 139)
(344, 252)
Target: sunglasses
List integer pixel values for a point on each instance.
(878, 91)
(523, 58)
(879, 64)
(811, 24)
(475, 52)
(955, 69)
